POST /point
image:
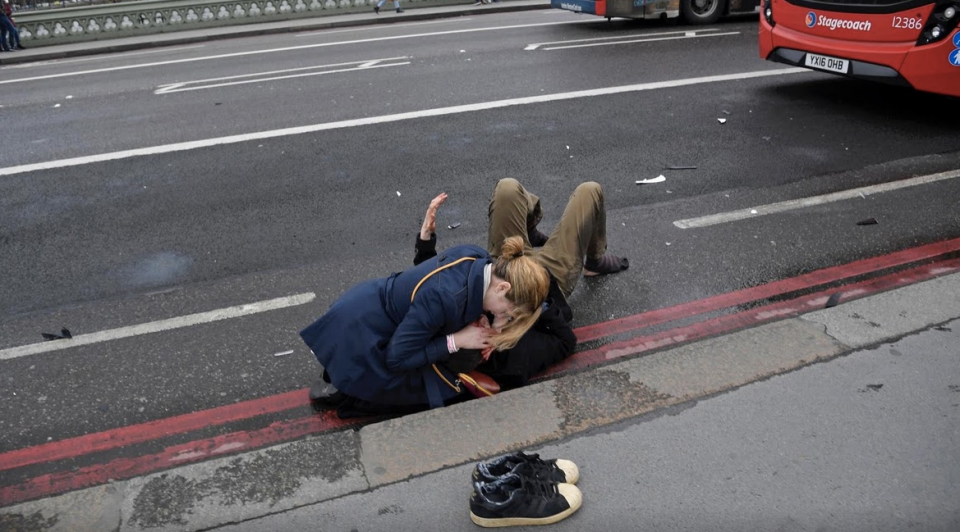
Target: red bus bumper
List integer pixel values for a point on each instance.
(927, 68)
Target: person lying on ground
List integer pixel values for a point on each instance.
(384, 341)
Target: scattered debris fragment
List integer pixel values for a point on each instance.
(56, 105)
(868, 221)
(834, 299)
(218, 103)
(398, 192)
(874, 386)
(766, 138)
(681, 168)
(726, 112)
(659, 179)
(69, 97)
(64, 335)
(722, 120)
(753, 211)
(453, 226)
(285, 353)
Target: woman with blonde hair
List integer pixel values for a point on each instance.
(386, 341)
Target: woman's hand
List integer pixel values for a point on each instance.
(430, 219)
(474, 337)
(485, 323)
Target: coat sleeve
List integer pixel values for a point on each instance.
(419, 341)
(426, 249)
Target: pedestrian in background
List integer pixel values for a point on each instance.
(9, 35)
(396, 4)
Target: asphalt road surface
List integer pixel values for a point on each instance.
(110, 217)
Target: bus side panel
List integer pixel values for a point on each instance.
(590, 7)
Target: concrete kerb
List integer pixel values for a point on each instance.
(273, 480)
(160, 40)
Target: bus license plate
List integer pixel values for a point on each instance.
(830, 64)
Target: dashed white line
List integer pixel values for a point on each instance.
(158, 326)
(383, 119)
(773, 208)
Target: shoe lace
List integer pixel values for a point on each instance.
(539, 488)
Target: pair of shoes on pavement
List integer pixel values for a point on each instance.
(521, 489)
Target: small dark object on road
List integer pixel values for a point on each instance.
(453, 226)
(681, 168)
(218, 103)
(64, 334)
(874, 386)
(834, 299)
(868, 221)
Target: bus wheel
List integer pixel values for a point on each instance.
(702, 11)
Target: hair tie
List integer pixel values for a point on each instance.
(520, 254)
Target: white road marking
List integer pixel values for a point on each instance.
(273, 75)
(674, 38)
(383, 119)
(375, 28)
(158, 326)
(111, 57)
(284, 49)
(753, 212)
(618, 37)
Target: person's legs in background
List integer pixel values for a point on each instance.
(581, 233)
(512, 211)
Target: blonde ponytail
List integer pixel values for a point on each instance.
(529, 284)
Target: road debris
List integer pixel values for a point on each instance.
(453, 226)
(753, 211)
(834, 299)
(398, 193)
(659, 179)
(681, 168)
(726, 112)
(64, 335)
(284, 353)
(722, 120)
(868, 221)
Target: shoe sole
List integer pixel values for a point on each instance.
(570, 492)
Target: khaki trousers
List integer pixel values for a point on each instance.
(582, 231)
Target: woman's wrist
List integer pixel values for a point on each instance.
(451, 344)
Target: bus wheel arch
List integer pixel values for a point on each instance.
(702, 11)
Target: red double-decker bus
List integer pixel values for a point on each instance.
(906, 42)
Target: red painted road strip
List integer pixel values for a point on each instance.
(785, 286)
(124, 468)
(747, 318)
(133, 434)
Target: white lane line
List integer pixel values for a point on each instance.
(381, 28)
(110, 57)
(618, 37)
(677, 37)
(284, 49)
(383, 119)
(259, 77)
(157, 326)
(753, 212)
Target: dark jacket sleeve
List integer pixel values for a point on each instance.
(418, 341)
(426, 249)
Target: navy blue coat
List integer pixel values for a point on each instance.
(377, 346)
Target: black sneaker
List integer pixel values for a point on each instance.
(516, 501)
(530, 466)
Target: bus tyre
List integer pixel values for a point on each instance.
(702, 11)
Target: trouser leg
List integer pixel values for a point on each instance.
(512, 210)
(582, 232)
